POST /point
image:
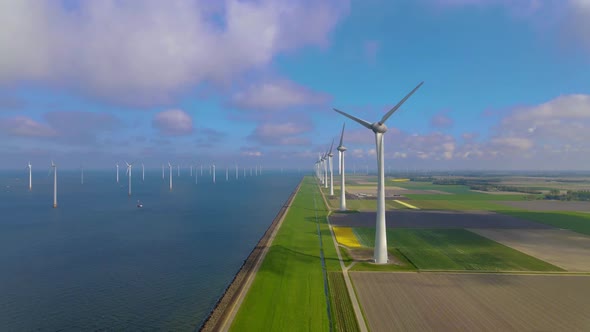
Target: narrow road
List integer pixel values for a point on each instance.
(355, 304)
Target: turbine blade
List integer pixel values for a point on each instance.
(331, 146)
(391, 111)
(364, 123)
(342, 135)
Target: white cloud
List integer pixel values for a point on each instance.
(145, 52)
(25, 127)
(173, 123)
(276, 95)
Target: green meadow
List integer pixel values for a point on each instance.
(288, 291)
(574, 221)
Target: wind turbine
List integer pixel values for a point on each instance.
(191, 170)
(325, 159)
(170, 167)
(226, 173)
(29, 166)
(81, 175)
(54, 166)
(213, 170)
(117, 164)
(201, 169)
(162, 171)
(330, 155)
(379, 128)
(142, 172)
(128, 173)
(236, 171)
(178, 168)
(341, 150)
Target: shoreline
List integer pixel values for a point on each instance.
(232, 293)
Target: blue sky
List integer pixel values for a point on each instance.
(507, 83)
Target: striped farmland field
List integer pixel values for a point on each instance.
(346, 237)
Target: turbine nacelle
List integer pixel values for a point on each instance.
(378, 127)
(341, 148)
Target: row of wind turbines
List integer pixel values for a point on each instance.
(254, 171)
(321, 169)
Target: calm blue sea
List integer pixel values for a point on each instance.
(99, 262)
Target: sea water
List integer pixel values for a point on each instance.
(98, 261)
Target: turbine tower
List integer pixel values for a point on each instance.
(341, 150)
(226, 174)
(128, 173)
(162, 171)
(236, 171)
(213, 170)
(142, 172)
(117, 164)
(29, 166)
(170, 167)
(81, 175)
(330, 155)
(54, 166)
(379, 128)
(325, 158)
(191, 170)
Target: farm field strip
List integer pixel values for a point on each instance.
(473, 302)
(406, 204)
(345, 236)
(575, 221)
(342, 311)
(454, 249)
(563, 248)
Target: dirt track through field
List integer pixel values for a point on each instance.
(473, 302)
(563, 248)
(435, 219)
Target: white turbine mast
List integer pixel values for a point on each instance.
(341, 148)
(178, 168)
(379, 128)
(226, 173)
(54, 166)
(117, 164)
(330, 155)
(191, 166)
(213, 170)
(170, 169)
(128, 173)
(236, 171)
(162, 171)
(30, 167)
(142, 172)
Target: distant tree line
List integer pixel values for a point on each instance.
(570, 195)
(485, 185)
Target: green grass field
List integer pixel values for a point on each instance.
(394, 254)
(472, 196)
(363, 204)
(575, 221)
(288, 291)
(460, 205)
(454, 249)
(342, 311)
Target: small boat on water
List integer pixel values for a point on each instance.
(139, 204)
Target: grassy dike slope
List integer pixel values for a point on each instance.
(288, 291)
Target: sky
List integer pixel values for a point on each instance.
(89, 83)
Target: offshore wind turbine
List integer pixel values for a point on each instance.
(128, 173)
(379, 128)
(30, 167)
(142, 172)
(341, 148)
(213, 170)
(117, 164)
(54, 166)
(330, 155)
(178, 168)
(162, 171)
(191, 166)
(170, 168)
(236, 171)
(325, 157)
(226, 173)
